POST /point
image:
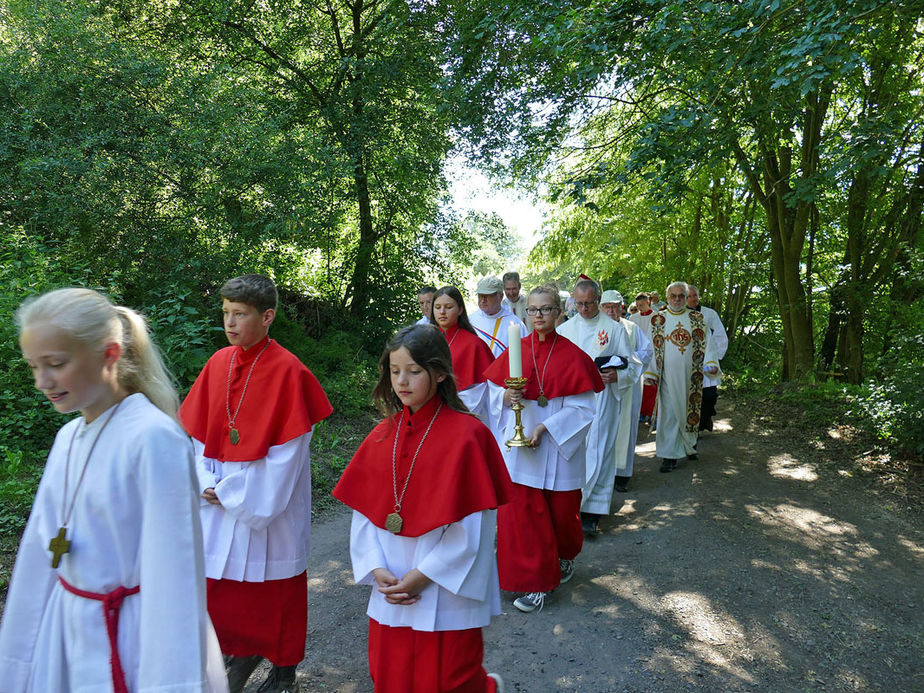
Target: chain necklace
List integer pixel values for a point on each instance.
(543, 401)
(60, 545)
(233, 433)
(455, 335)
(393, 522)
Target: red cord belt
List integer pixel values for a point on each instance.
(112, 604)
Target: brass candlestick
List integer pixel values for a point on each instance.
(519, 440)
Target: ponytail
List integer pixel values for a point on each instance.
(92, 319)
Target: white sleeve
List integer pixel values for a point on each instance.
(30, 588)
(460, 562)
(719, 335)
(568, 427)
(366, 552)
(173, 625)
(477, 400)
(644, 351)
(260, 492)
(205, 468)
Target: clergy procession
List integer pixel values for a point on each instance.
(168, 544)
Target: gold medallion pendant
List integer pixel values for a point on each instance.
(235, 436)
(543, 401)
(393, 523)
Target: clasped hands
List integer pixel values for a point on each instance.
(403, 592)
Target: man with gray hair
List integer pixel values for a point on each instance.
(491, 320)
(606, 342)
(513, 299)
(683, 354)
(612, 304)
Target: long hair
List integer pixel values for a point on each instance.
(456, 296)
(92, 319)
(429, 349)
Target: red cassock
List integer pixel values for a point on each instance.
(470, 356)
(283, 401)
(459, 471)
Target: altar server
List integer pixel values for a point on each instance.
(424, 487)
(108, 591)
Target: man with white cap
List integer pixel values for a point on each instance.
(606, 342)
(640, 345)
(492, 318)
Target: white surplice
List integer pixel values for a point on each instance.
(262, 529)
(458, 558)
(601, 336)
(493, 328)
(642, 350)
(557, 464)
(134, 522)
(518, 309)
(477, 400)
(719, 338)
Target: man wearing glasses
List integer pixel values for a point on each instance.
(606, 342)
(684, 355)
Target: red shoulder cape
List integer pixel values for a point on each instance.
(283, 401)
(570, 370)
(459, 470)
(470, 357)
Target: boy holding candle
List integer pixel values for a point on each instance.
(250, 414)
(539, 531)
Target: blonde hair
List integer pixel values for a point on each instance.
(92, 319)
(548, 289)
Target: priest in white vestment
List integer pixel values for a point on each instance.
(491, 319)
(606, 342)
(640, 346)
(684, 353)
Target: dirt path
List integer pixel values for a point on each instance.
(748, 570)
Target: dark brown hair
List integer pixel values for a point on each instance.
(429, 349)
(253, 289)
(456, 296)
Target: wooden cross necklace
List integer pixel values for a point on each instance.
(394, 522)
(233, 434)
(60, 545)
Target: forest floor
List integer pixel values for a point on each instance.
(787, 558)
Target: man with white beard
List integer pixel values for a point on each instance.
(605, 341)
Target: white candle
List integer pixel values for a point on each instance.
(514, 350)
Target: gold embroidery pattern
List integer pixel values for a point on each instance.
(680, 338)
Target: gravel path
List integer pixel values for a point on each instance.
(751, 569)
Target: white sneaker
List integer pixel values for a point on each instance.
(499, 681)
(530, 602)
(567, 569)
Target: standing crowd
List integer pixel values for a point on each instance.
(168, 544)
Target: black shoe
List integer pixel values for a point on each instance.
(239, 670)
(589, 524)
(280, 680)
(667, 465)
(694, 456)
(622, 484)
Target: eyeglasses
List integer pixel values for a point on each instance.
(676, 295)
(584, 304)
(544, 310)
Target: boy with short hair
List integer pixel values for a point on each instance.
(250, 414)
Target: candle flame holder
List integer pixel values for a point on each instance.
(519, 440)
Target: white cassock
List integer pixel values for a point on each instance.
(643, 321)
(134, 523)
(677, 433)
(557, 464)
(601, 336)
(719, 339)
(262, 529)
(493, 328)
(458, 558)
(477, 400)
(642, 352)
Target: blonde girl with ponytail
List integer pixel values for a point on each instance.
(108, 591)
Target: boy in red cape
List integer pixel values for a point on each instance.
(424, 487)
(250, 414)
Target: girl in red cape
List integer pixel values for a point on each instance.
(470, 355)
(425, 486)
